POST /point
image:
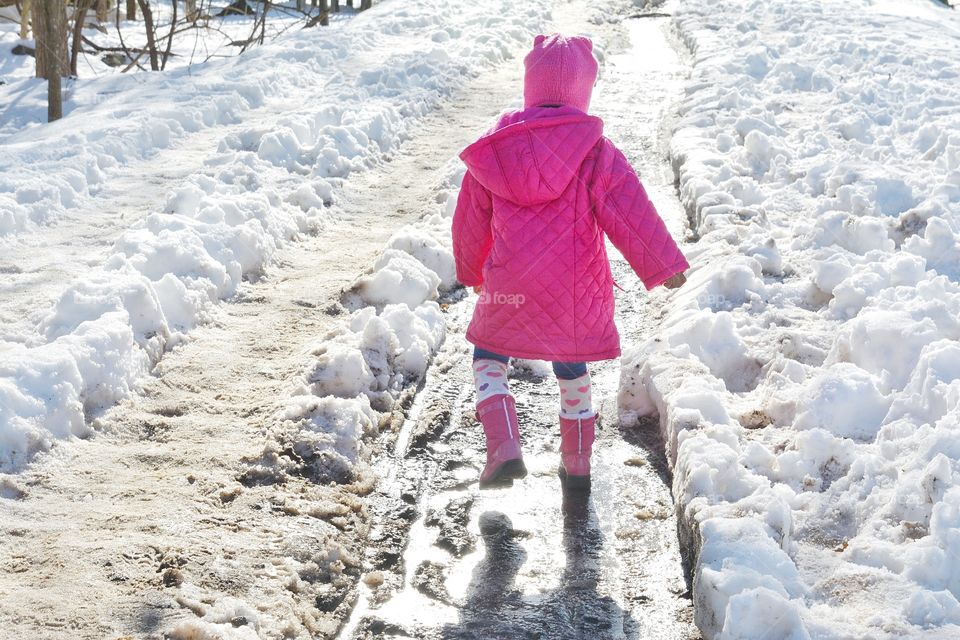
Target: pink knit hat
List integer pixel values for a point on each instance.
(559, 70)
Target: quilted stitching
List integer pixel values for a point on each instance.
(541, 256)
(472, 231)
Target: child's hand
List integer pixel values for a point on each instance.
(477, 289)
(675, 281)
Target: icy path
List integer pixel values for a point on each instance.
(147, 525)
(447, 561)
(158, 524)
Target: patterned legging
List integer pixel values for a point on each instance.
(563, 370)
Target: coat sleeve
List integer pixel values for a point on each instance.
(630, 220)
(472, 232)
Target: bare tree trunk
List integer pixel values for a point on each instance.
(191, 6)
(79, 16)
(39, 19)
(151, 35)
(324, 13)
(24, 19)
(173, 27)
(49, 29)
(336, 6)
(131, 9)
(365, 4)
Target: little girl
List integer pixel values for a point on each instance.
(541, 190)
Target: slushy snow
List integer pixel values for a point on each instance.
(355, 377)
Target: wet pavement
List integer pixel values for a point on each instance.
(447, 561)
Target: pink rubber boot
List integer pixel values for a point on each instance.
(498, 414)
(576, 445)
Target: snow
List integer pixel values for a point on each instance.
(292, 123)
(356, 375)
(398, 274)
(216, 622)
(209, 38)
(807, 377)
(356, 114)
(418, 262)
(427, 246)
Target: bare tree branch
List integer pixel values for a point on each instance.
(173, 26)
(79, 16)
(151, 33)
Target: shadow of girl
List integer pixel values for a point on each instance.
(495, 609)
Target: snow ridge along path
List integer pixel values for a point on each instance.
(808, 376)
(146, 270)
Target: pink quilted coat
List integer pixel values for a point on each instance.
(541, 189)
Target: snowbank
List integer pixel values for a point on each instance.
(266, 184)
(357, 377)
(808, 377)
(50, 169)
(418, 263)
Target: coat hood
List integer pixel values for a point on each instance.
(532, 155)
